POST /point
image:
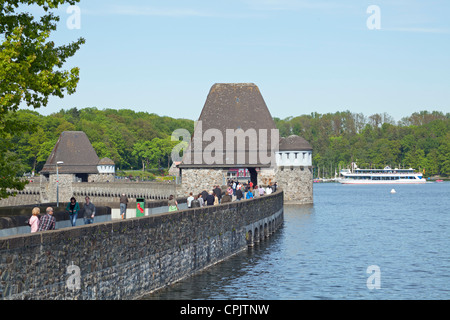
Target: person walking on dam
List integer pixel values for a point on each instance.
(73, 207)
(201, 200)
(172, 203)
(34, 220)
(48, 222)
(189, 200)
(89, 211)
(210, 199)
(123, 205)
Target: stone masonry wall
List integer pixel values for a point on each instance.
(101, 177)
(110, 192)
(266, 176)
(48, 190)
(125, 259)
(196, 180)
(297, 184)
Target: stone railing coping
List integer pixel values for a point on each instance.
(17, 216)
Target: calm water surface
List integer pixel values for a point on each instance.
(323, 250)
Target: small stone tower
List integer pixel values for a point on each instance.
(73, 159)
(106, 170)
(294, 171)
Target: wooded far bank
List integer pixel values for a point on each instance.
(137, 140)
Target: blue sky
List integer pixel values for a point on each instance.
(305, 55)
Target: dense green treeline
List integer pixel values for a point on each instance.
(133, 140)
(137, 140)
(420, 141)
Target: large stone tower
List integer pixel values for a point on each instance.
(236, 130)
(233, 125)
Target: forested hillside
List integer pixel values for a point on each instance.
(135, 140)
(420, 141)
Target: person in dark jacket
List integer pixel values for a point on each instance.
(123, 205)
(195, 203)
(239, 194)
(210, 199)
(89, 211)
(218, 193)
(73, 208)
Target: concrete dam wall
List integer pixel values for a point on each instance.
(126, 259)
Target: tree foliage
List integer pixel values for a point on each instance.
(30, 72)
(140, 140)
(420, 141)
(131, 139)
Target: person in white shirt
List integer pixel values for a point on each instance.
(189, 200)
(261, 191)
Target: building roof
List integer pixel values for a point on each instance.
(231, 106)
(294, 143)
(106, 162)
(77, 153)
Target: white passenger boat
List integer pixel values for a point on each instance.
(381, 176)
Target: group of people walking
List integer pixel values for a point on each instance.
(48, 221)
(235, 191)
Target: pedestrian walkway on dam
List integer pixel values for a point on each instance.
(15, 225)
(126, 259)
(234, 192)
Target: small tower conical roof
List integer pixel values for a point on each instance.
(294, 143)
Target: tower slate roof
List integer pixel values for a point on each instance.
(293, 143)
(231, 106)
(106, 161)
(77, 153)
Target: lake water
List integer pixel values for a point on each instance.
(355, 242)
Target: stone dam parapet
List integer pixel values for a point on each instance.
(36, 193)
(126, 259)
